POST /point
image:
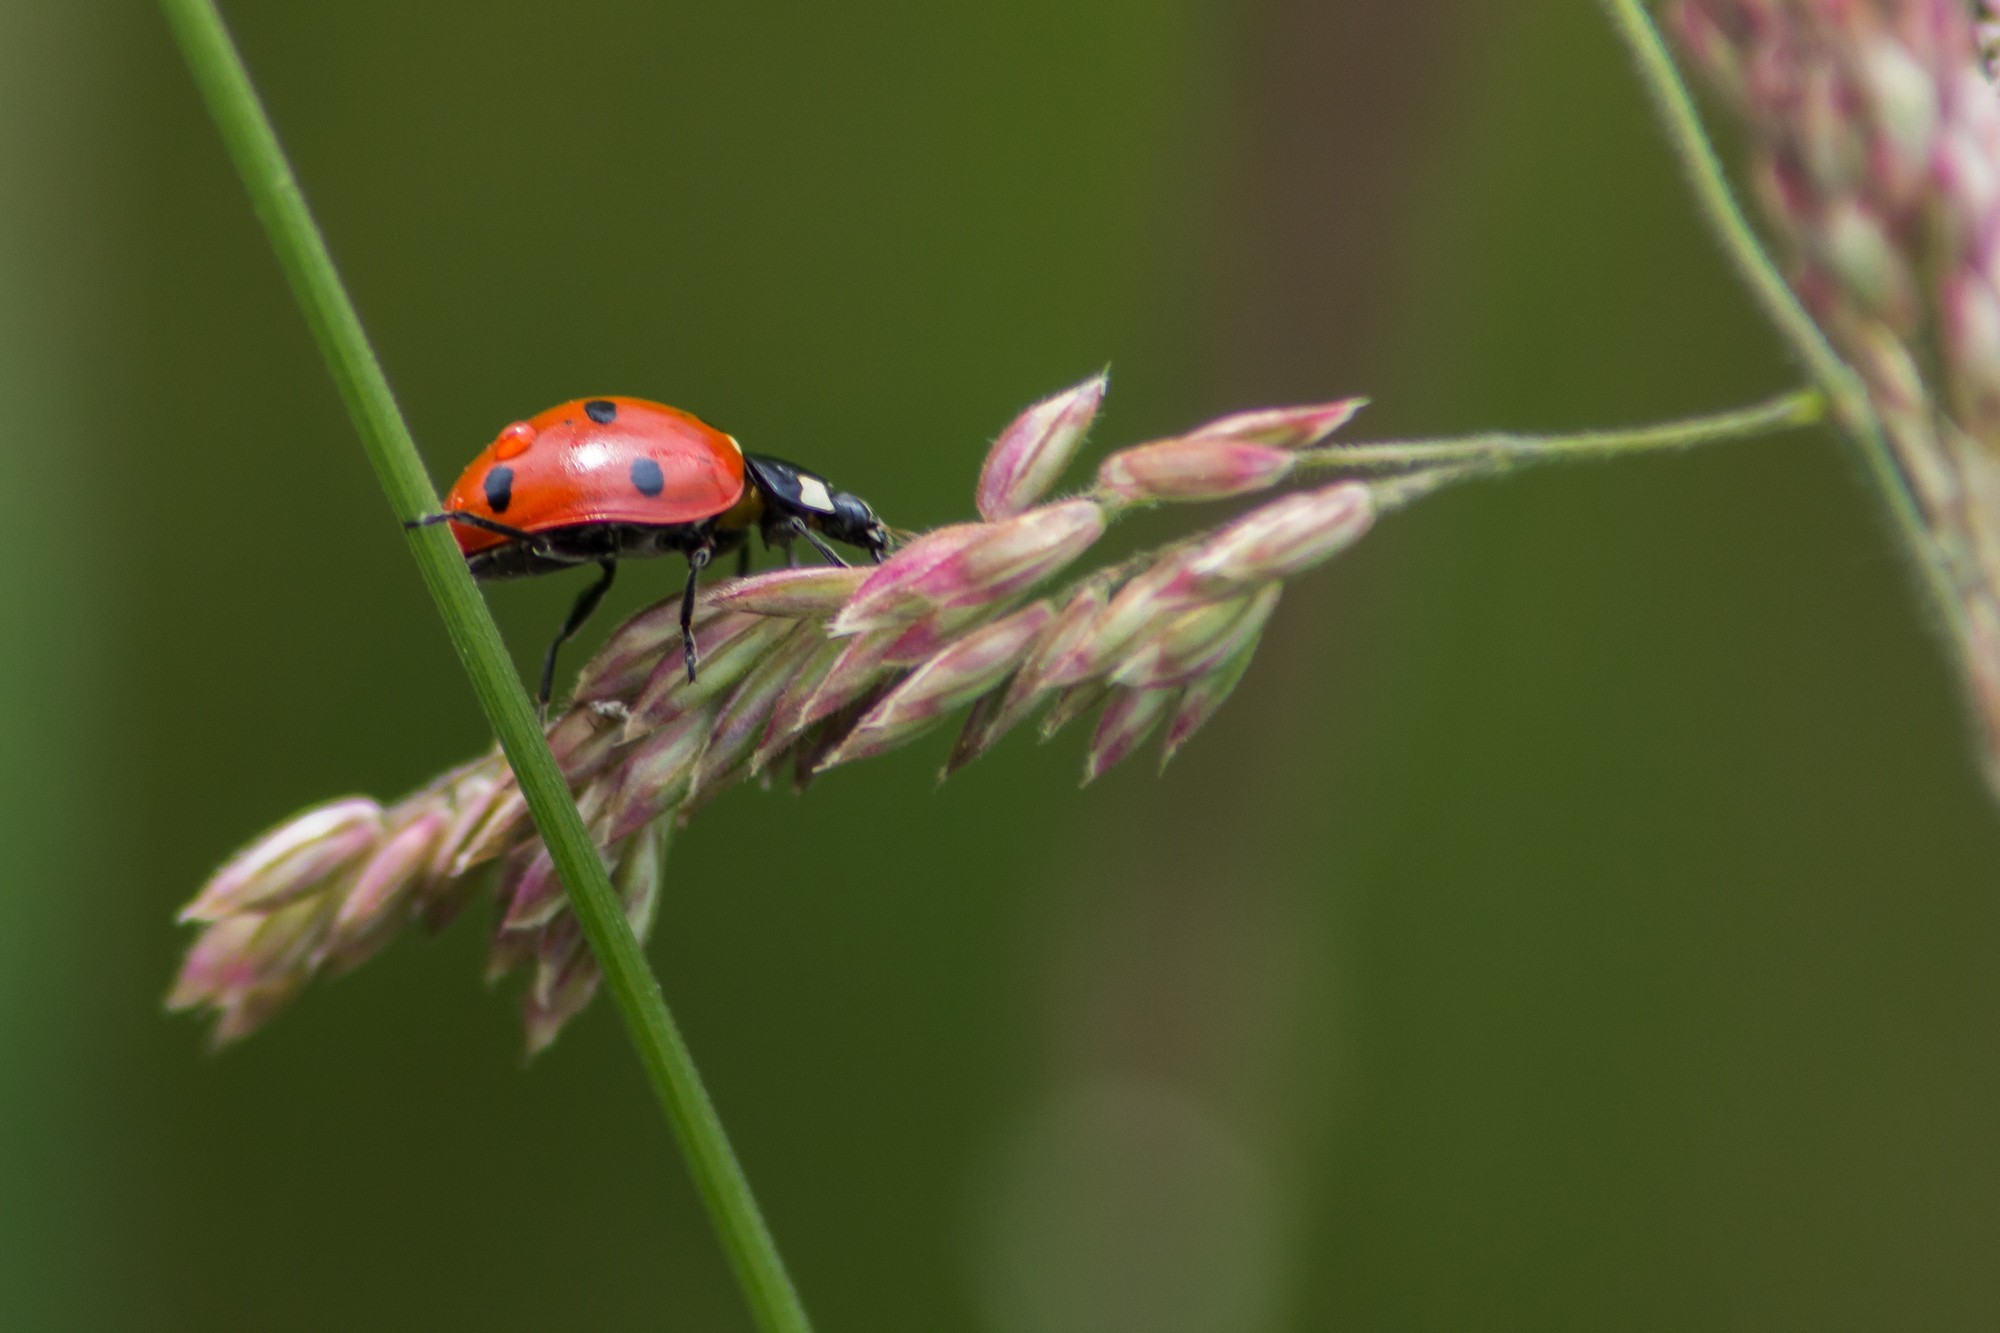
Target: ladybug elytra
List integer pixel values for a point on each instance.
(597, 480)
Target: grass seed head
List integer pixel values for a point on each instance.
(808, 667)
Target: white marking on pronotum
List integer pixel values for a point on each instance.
(812, 494)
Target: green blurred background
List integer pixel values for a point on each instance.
(1585, 916)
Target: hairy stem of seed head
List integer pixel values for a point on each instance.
(1491, 453)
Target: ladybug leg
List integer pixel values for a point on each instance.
(743, 560)
(698, 558)
(777, 534)
(540, 545)
(796, 527)
(819, 544)
(579, 612)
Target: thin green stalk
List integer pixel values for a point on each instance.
(1843, 388)
(274, 193)
(1502, 452)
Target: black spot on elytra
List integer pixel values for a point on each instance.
(500, 488)
(601, 410)
(646, 475)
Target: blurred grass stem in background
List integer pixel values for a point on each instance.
(1497, 452)
(253, 147)
(1844, 389)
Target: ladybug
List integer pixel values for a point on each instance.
(597, 480)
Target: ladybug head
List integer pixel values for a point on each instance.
(853, 522)
(793, 495)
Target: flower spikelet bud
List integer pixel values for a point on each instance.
(741, 642)
(984, 725)
(1150, 598)
(641, 871)
(823, 738)
(507, 950)
(252, 1009)
(1200, 700)
(543, 1019)
(658, 771)
(1862, 258)
(293, 860)
(1019, 553)
(817, 592)
(559, 948)
(1285, 427)
(501, 821)
(1905, 112)
(1071, 704)
(1129, 717)
(1286, 537)
(863, 661)
(1000, 712)
(539, 895)
(1031, 454)
(895, 591)
(566, 975)
(207, 971)
(953, 678)
(632, 654)
(468, 791)
(1198, 467)
(1068, 631)
(1972, 333)
(584, 740)
(747, 712)
(988, 563)
(789, 712)
(1194, 643)
(378, 903)
(919, 641)
(249, 967)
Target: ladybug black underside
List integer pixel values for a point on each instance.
(782, 501)
(590, 543)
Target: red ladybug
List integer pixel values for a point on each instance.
(599, 479)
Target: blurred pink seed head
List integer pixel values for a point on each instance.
(1873, 132)
(291, 860)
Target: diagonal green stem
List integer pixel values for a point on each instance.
(1843, 388)
(253, 146)
(1496, 452)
